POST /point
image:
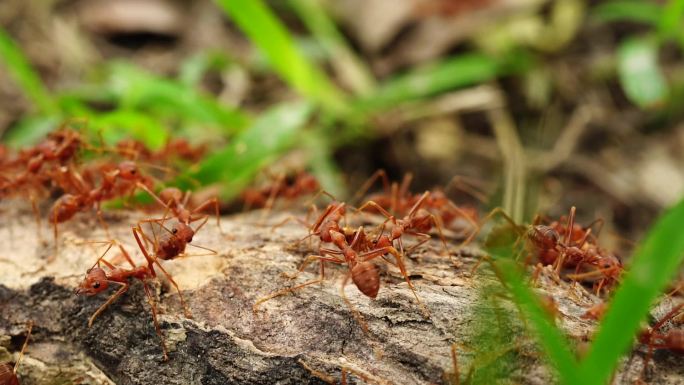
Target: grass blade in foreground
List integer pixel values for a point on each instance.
(654, 264)
(451, 73)
(275, 132)
(22, 72)
(550, 337)
(265, 30)
(350, 68)
(624, 10)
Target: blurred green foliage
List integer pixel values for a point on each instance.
(123, 100)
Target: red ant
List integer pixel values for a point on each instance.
(362, 272)
(172, 199)
(68, 205)
(417, 222)
(8, 373)
(98, 279)
(290, 189)
(397, 199)
(672, 340)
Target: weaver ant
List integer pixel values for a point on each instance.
(362, 272)
(98, 279)
(172, 199)
(417, 222)
(8, 373)
(68, 205)
(672, 340)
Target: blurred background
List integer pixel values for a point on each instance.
(543, 104)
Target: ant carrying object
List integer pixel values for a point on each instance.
(98, 278)
(8, 373)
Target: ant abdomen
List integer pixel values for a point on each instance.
(543, 237)
(7, 375)
(367, 278)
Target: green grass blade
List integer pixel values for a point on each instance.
(652, 267)
(625, 10)
(640, 75)
(351, 69)
(670, 24)
(276, 131)
(320, 152)
(266, 31)
(136, 89)
(122, 124)
(25, 76)
(553, 342)
(451, 73)
(30, 130)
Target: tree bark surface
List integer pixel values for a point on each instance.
(306, 337)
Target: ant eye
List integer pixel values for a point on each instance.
(96, 285)
(174, 230)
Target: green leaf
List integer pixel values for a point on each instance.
(653, 266)
(350, 67)
(275, 132)
(266, 31)
(25, 76)
(635, 11)
(137, 89)
(670, 23)
(121, 124)
(30, 130)
(640, 75)
(460, 71)
(192, 69)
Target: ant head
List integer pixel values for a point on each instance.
(544, 236)
(182, 231)
(308, 182)
(128, 170)
(610, 263)
(94, 282)
(171, 194)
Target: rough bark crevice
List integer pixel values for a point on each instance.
(289, 336)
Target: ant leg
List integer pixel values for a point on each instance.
(316, 373)
(123, 289)
(454, 362)
(402, 268)
(36, 213)
(568, 237)
(355, 313)
(284, 291)
(151, 262)
(469, 219)
(215, 203)
(104, 225)
(276, 188)
(29, 327)
(468, 186)
(157, 328)
(308, 260)
(382, 175)
(487, 218)
(424, 238)
(379, 208)
(290, 218)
